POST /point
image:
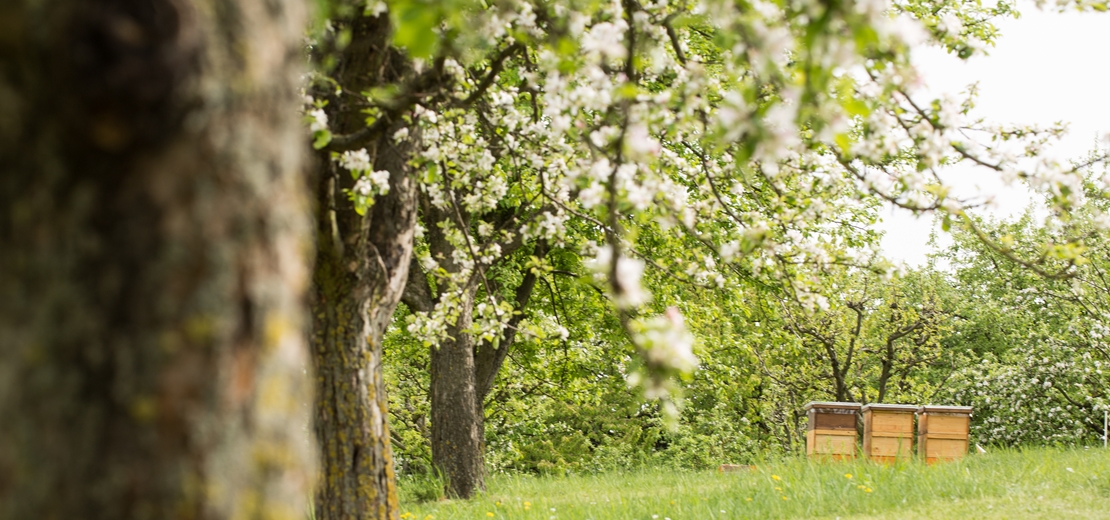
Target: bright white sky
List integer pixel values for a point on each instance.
(1046, 67)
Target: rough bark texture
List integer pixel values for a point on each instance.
(153, 238)
(457, 443)
(463, 371)
(361, 266)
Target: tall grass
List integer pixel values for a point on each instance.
(1035, 483)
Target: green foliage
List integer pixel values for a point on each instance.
(421, 487)
(416, 23)
(749, 215)
(1035, 346)
(564, 406)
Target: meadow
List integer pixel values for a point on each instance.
(1029, 483)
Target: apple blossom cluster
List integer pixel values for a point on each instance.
(368, 182)
(629, 292)
(903, 145)
(667, 348)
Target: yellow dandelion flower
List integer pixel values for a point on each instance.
(429, 517)
(778, 488)
(776, 477)
(672, 502)
(527, 503)
(784, 497)
(868, 490)
(749, 499)
(489, 514)
(498, 503)
(848, 476)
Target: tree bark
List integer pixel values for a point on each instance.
(152, 231)
(456, 411)
(361, 266)
(457, 444)
(355, 294)
(463, 371)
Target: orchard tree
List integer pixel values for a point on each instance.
(152, 268)
(749, 128)
(1038, 357)
(878, 337)
(362, 260)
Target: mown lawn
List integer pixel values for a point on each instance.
(1036, 483)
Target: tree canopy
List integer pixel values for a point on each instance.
(718, 144)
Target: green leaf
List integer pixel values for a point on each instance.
(844, 142)
(431, 175)
(856, 107)
(627, 91)
(567, 47)
(416, 22)
(320, 139)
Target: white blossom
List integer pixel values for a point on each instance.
(950, 23)
(355, 160)
(606, 39)
(318, 120)
(377, 8)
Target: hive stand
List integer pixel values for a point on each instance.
(942, 432)
(888, 432)
(831, 430)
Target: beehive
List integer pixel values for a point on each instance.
(888, 432)
(831, 429)
(942, 432)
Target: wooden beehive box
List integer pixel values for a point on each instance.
(942, 432)
(888, 432)
(831, 429)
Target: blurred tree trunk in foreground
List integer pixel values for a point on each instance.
(153, 238)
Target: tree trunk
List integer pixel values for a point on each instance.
(840, 383)
(463, 372)
(456, 408)
(457, 449)
(887, 364)
(152, 231)
(361, 265)
(355, 295)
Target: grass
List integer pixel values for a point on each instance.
(1034, 483)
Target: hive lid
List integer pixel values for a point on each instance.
(944, 409)
(826, 405)
(890, 407)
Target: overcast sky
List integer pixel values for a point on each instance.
(1046, 67)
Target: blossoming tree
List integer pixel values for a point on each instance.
(754, 131)
(1043, 377)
